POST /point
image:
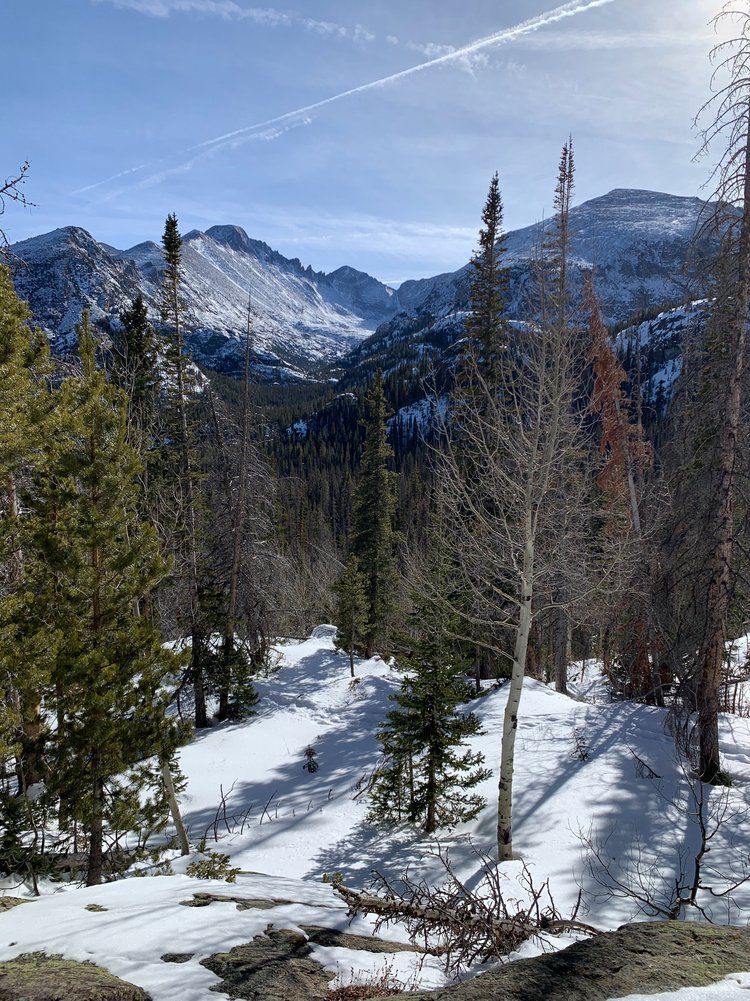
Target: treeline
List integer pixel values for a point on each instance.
(159, 527)
(554, 517)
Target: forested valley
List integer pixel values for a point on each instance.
(466, 514)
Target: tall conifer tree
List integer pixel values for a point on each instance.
(92, 563)
(25, 423)
(187, 529)
(489, 286)
(373, 541)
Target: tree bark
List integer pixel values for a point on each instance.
(719, 588)
(562, 640)
(510, 721)
(96, 829)
(174, 807)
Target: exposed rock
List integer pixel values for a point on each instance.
(276, 966)
(8, 903)
(243, 903)
(646, 958)
(38, 977)
(177, 957)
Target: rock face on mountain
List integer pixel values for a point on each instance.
(640, 245)
(647, 252)
(65, 271)
(644, 248)
(299, 316)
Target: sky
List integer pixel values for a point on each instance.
(311, 127)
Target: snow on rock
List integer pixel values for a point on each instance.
(324, 632)
(284, 827)
(726, 990)
(298, 314)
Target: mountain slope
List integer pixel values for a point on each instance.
(640, 246)
(299, 316)
(645, 248)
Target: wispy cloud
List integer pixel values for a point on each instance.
(620, 41)
(229, 10)
(418, 242)
(461, 55)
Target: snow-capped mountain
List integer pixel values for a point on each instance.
(640, 245)
(299, 316)
(645, 249)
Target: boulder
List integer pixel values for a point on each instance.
(38, 977)
(645, 958)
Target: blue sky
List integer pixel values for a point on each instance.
(390, 179)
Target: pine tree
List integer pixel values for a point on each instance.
(134, 358)
(428, 774)
(24, 426)
(489, 286)
(134, 369)
(91, 562)
(351, 610)
(373, 541)
(188, 557)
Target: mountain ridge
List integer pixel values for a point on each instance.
(640, 246)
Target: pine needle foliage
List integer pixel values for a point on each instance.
(374, 539)
(90, 563)
(429, 775)
(489, 287)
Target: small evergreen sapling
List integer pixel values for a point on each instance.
(429, 775)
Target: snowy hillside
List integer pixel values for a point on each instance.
(640, 245)
(586, 771)
(299, 315)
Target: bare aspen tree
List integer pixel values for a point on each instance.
(515, 437)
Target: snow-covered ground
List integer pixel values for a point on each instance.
(586, 770)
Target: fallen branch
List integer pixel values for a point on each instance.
(462, 925)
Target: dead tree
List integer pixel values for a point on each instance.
(726, 339)
(11, 190)
(465, 925)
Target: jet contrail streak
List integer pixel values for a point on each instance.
(570, 9)
(506, 35)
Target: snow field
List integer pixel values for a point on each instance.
(285, 827)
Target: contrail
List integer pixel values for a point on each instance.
(570, 9)
(506, 35)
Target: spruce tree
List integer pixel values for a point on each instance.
(428, 773)
(134, 368)
(182, 433)
(374, 541)
(25, 424)
(351, 610)
(489, 286)
(91, 561)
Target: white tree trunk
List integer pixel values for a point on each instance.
(174, 807)
(510, 721)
